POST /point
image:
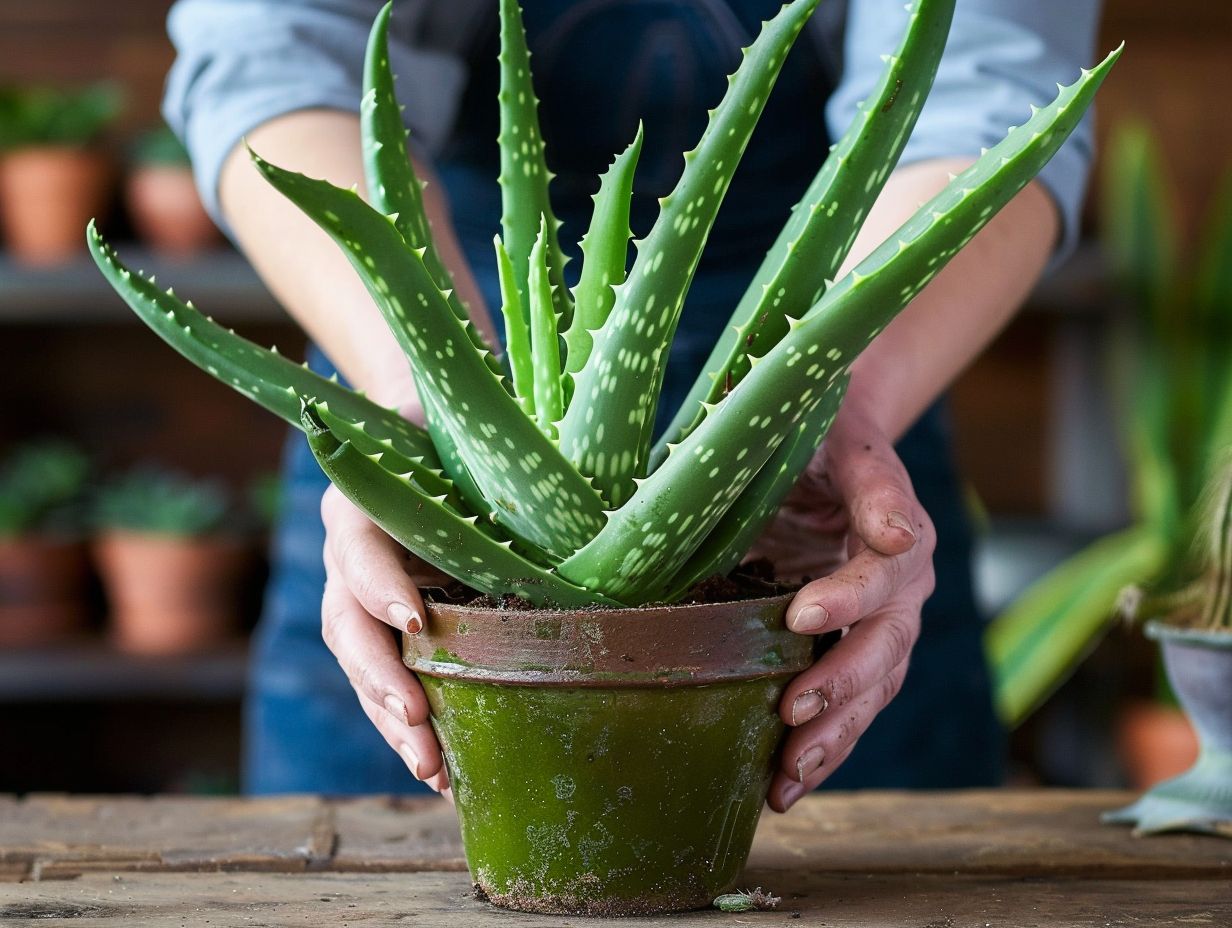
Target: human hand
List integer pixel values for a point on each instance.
(372, 582)
(853, 520)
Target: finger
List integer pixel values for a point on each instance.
(854, 665)
(874, 484)
(368, 653)
(373, 565)
(415, 744)
(858, 589)
(830, 734)
(786, 792)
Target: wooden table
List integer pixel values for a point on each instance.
(907, 860)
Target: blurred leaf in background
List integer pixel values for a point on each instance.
(42, 489)
(150, 500)
(38, 116)
(1171, 364)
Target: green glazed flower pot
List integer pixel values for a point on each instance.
(608, 762)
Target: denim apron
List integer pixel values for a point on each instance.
(600, 66)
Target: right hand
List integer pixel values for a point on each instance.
(370, 583)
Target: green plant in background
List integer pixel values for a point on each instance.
(153, 501)
(1198, 594)
(36, 116)
(1173, 368)
(160, 146)
(42, 485)
(546, 485)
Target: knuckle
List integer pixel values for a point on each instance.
(843, 688)
(899, 634)
(332, 619)
(887, 689)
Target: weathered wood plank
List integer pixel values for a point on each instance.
(61, 836)
(442, 900)
(1046, 833)
(1012, 832)
(390, 834)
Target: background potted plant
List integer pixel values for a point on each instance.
(43, 566)
(1172, 377)
(53, 176)
(162, 199)
(1193, 625)
(543, 490)
(171, 561)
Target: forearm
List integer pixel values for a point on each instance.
(951, 321)
(305, 271)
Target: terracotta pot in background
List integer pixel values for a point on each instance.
(170, 594)
(1155, 742)
(167, 212)
(47, 195)
(42, 591)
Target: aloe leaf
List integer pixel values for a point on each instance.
(517, 335)
(823, 225)
(605, 251)
(524, 175)
(751, 514)
(1146, 425)
(866, 299)
(673, 509)
(1138, 225)
(1034, 645)
(620, 382)
(262, 375)
(535, 493)
(393, 187)
(1213, 295)
(431, 530)
(545, 341)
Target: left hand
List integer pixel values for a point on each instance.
(854, 521)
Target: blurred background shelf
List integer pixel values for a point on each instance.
(220, 283)
(94, 672)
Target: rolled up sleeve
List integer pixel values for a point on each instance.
(1002, 56)
(241, 63)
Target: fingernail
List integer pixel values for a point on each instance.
(811, 619)
(397, 708)
(809, 761)
(896, 519)
(404, 616)
(412, 761)
(808, 705)
(792, 794)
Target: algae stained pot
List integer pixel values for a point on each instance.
(608, 762)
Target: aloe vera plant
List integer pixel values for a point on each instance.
(545, 483)
(1174, 392)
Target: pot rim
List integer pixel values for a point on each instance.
(1161, 631)
(646, 646)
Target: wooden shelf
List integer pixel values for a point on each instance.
(222, 284)
(93, 672)
(219, 283)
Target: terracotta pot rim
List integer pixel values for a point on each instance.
(1158, 630)
(647, 646)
